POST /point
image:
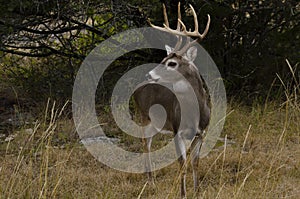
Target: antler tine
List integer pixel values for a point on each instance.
(166, 24)
(179, 17)
(206, 28)
(196, 31)
(195, 18)
(179, 38)
(165, 15)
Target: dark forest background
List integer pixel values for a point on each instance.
(44, 42)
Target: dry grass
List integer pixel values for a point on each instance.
(263, 162)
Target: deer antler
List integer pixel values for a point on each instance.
(181, 31)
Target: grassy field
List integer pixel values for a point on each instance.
(262, 160)
(258, 155)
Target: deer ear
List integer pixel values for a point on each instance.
(168, 49)
(191, 54)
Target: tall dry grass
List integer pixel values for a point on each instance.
(259, 158)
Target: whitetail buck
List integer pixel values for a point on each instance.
(179, 59)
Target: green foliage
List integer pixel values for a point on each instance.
(248, 40)
(38, 79)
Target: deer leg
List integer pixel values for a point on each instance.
(195, 152)
(147, 148)
(181, 151)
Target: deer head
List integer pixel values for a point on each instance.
(180, 58)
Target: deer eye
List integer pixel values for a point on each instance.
(172, 64)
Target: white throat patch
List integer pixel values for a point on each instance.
(181, 86)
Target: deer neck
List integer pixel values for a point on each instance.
(187, 85)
